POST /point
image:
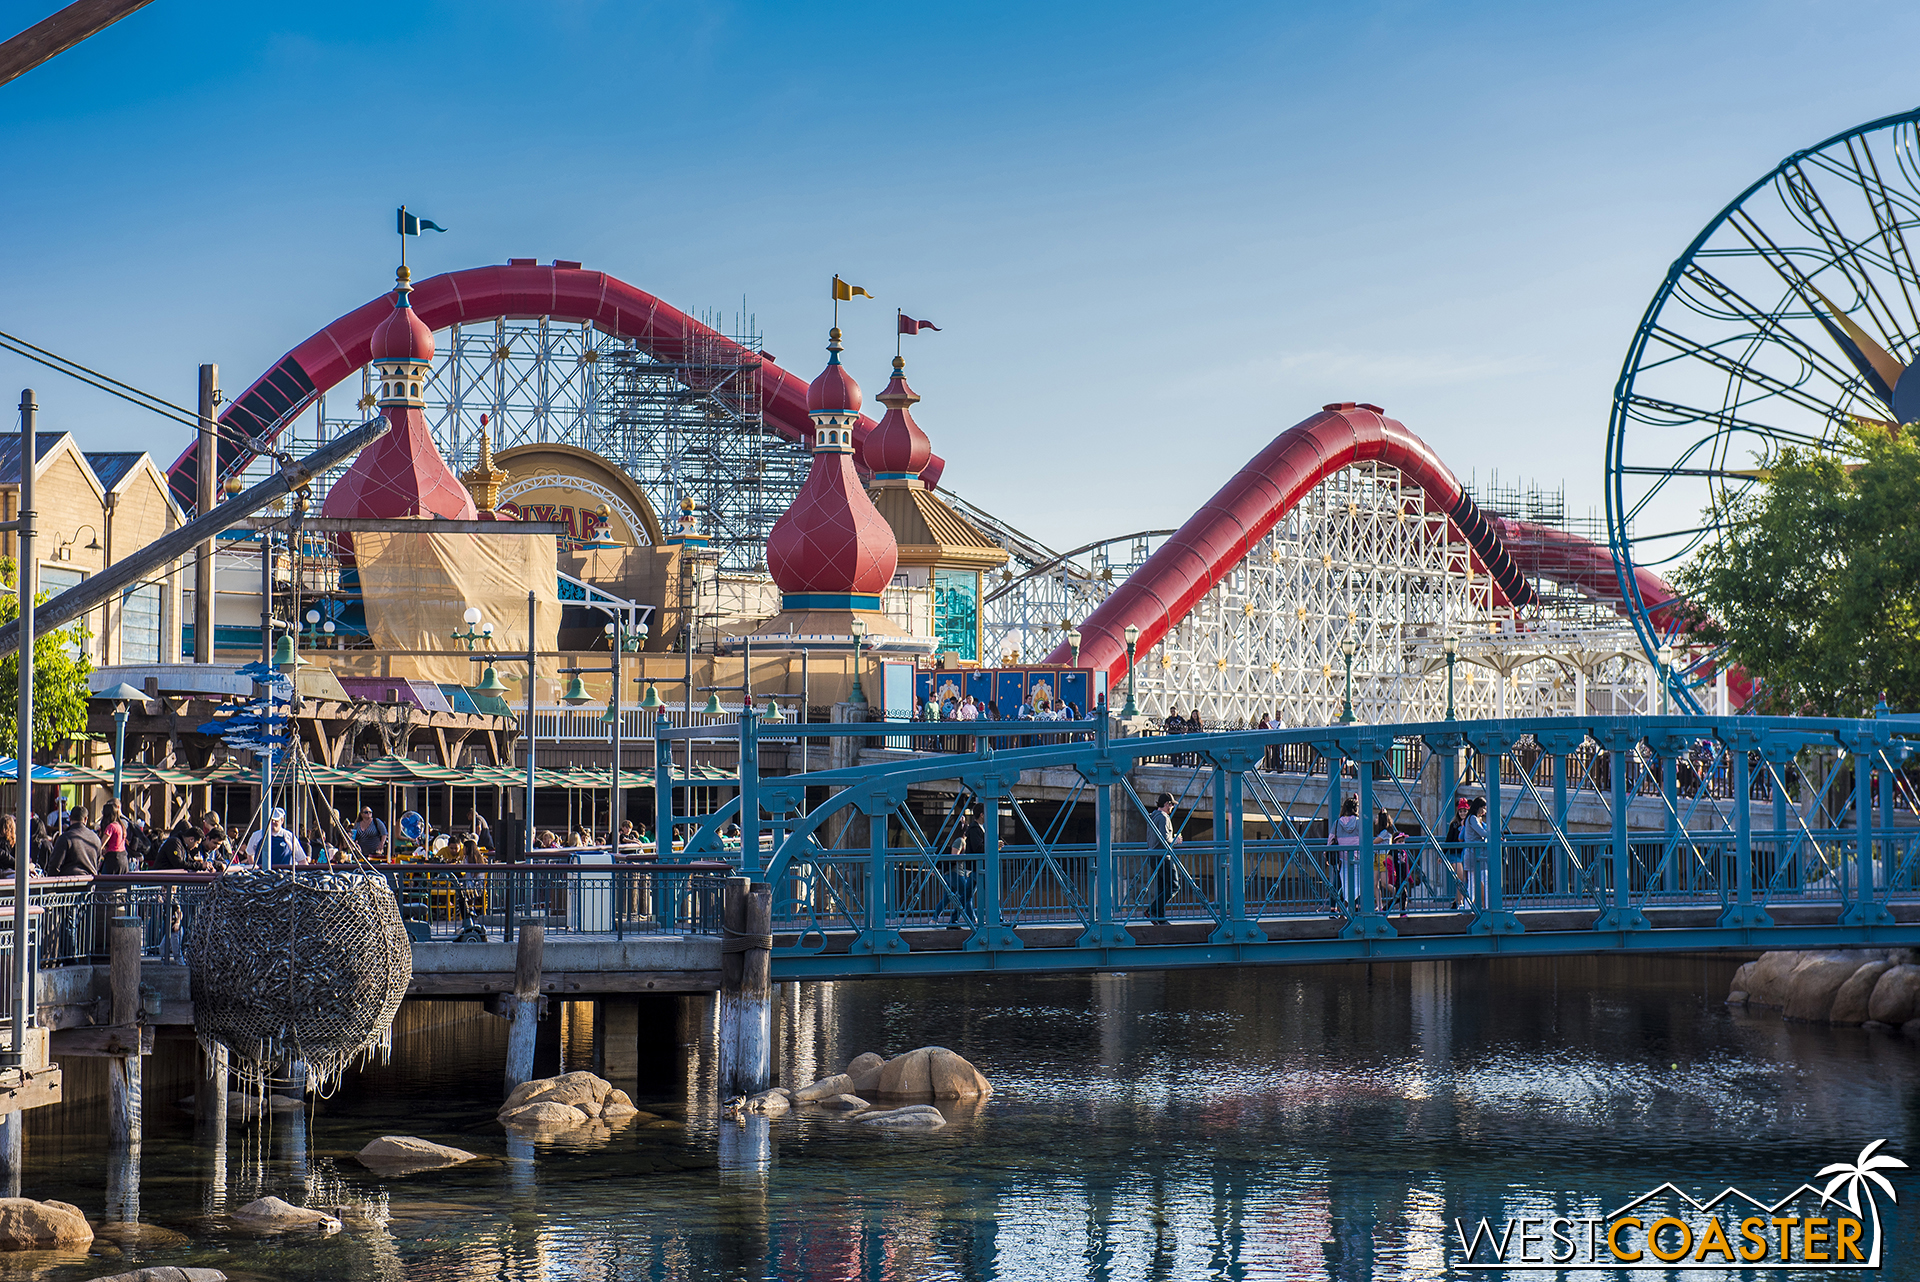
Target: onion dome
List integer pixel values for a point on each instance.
(832, 549)
(402, 350)
(835, 388)
(402, 473)
(897, 449)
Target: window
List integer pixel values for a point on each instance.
(55, 579)
(140, 625)
(956, 611)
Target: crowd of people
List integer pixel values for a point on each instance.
(964, 708)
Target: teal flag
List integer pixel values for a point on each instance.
(413, 226)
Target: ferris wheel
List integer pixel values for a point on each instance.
(1793, 313)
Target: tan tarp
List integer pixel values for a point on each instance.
(416, 587)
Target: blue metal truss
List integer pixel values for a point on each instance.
(1603, 834)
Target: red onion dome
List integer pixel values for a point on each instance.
(834, 391)
(897, 447)
(403, 336)
(832, 543)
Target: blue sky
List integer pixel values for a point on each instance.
(1155, 236)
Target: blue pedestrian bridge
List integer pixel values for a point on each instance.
(1600, 834)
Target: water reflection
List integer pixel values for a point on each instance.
(1278, 1123)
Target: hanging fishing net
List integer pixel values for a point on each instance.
(293, 971)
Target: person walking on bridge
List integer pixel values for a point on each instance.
(1166, 839)
(1346, 849)
(1473, 836)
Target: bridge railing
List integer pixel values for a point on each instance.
(1730, 817)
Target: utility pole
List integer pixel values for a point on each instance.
(23, 998)
(207, 467)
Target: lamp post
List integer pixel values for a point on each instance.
(859, 629)
(490, 683)
(475, 631)
(1073, 639)
(620, 641)
(317, 629)
(1132, 709)
(1452, 647)
(1664, 663)
(120, 696)
(1347, 648)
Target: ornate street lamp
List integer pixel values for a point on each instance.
(1132, 635)
(120, 696)
(1347, 648)
(859, 629)
(475, 632)
(1452, 647)
(1073, 639)
(1664, 657)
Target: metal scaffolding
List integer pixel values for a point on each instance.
(685, 424)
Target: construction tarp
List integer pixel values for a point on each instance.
(417, 588)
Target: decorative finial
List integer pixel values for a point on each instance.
(403, 286)
(899, 366)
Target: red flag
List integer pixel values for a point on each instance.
(908, 325)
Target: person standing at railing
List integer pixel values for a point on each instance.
(1166, 839)
(113, 841)
(1346, 849)
(370, 835)
(275, 847)
(76, 852)
(39, 844)
(1473, 835)
(9, 843)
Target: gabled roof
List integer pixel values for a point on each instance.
(929, 532)
(113, 468)
(44, 443)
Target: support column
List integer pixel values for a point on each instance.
(618, 1031)
(1106, 930)
(746, 988)
(1670, 795)
(749, 789)
(526, 1003)
(1235, 928)
(1743, 911)
(123, 1071)
(1621, 912)
(1865, 908)
(1493, 918)
(13, 1128)
(1562, 883)
(991, 934)
(1369, 922)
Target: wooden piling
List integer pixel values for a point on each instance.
(526, 1004)
(123, 1071)
(617, 1030)
(746, 988)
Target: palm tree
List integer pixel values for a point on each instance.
(1855, 1177)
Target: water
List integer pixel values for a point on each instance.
(1326, 1122)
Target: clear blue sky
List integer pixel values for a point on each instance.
(1156, 235)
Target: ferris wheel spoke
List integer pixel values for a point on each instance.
(1772, 325)
(1848, 255)
(1730, 424)
(1711, 355)
(1880, 204)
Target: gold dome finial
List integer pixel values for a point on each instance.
(483, 480)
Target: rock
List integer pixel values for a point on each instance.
(932, 1070)
(283, 1104)
(544, 1113)
(825, 1088)
(953, 1077)
(27, 1223)
(617, 1104)
(271, 1215)
(1740, 978)
(844, 1103)
(1736, 997)
(769, 1102)
(865, 1071)
(1911, 1028)
(402, 1154)
(1895, 996)
(146, 1237)
(924, 1117)
(1812, 986)
(1766, 984)
(571, 1089)
(167, 1274)
(1850, 1003)
(1875, 1026)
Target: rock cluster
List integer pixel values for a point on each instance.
(929, 1071)
(25, 1223)
(571, 1099)
(1875, 986)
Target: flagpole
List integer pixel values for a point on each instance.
(403, 235)
(897, 314)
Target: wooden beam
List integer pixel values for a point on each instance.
(566, 984)
(29, 1090)
(412, 525)
(53, 36)
(103, 1040)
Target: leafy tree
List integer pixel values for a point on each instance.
(60, 667)
(1815, 590)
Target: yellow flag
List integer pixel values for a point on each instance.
(843, 292)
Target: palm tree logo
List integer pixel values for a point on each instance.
(1863, 1174)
